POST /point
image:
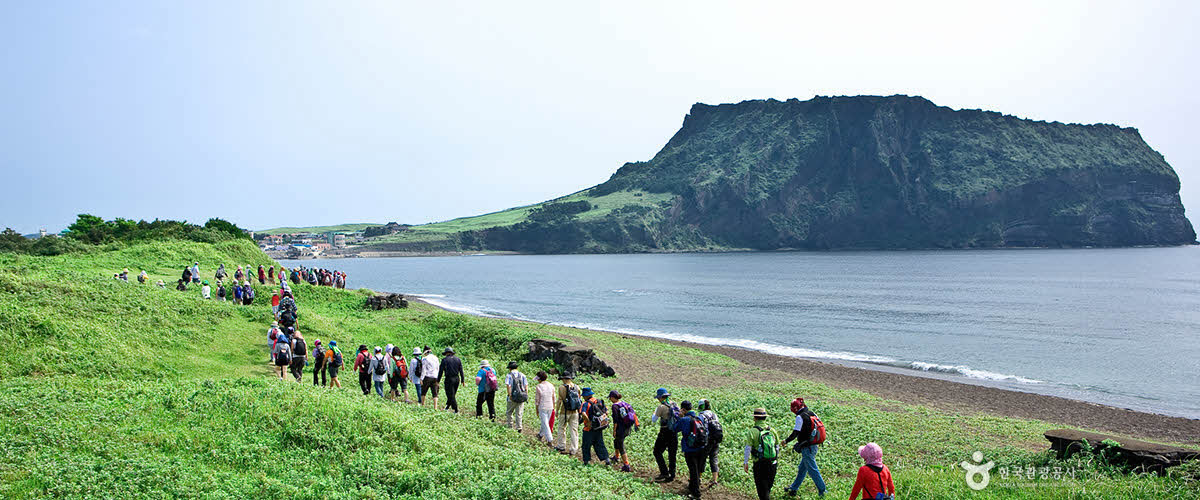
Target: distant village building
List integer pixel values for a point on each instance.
(42, 233)
(339, 240)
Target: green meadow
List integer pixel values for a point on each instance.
(119, 390)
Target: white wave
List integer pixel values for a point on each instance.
(428, 295)
(622, 290)
(466, 309)
(793, 352)
(969, 372)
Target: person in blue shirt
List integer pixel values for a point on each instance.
(693, 456)
(486, 391)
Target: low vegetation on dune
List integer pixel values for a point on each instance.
(115, 389)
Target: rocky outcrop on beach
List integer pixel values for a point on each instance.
(1135, 454)
(570, 360)
(386, 301)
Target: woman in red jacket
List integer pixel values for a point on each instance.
(873, 478)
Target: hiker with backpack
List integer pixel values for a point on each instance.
(625, 421)
(874, 479)
(181, 286)
(568, 404)
(273, 334)
(414, 374)
(237, 295)
(808, 432)
(543, 402)
(220, 291)
(361, 363)
(205, 290)
(187, 275)
(289, 312)
(319, 362)
(299, 354)
(763, 445)
(220, 274)
(430, 368)
(275, 305)
(487, 382)
(247, 293)
(695, 440)
(716, 434)
(518, 393)
(450, 372)
(667, 441)
(399, 376)
(282, 354)
(262, 275)
(143, 277)
(334, 363)
(195, 272)
(594, 416)
(271, 274)
(380, 367)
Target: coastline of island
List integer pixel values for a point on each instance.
(939, 393)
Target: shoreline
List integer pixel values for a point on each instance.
(383, 254)
(941, 393)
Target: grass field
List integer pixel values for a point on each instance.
(120, 390)
(347, 228)
(602, 206)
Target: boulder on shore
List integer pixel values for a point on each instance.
(1131, 452)
(571, 359)
(386, 301)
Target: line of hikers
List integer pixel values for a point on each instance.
(243, 294)
(321, 277)
(566, 409)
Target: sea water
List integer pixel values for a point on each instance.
(1114, 326)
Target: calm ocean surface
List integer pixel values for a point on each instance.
(1114, 326)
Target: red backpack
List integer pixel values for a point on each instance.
(818, 430)
(402, 365)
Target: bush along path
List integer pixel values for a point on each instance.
(120, 390)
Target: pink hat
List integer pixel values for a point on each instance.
(872, 454)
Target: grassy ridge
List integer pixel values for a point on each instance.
(602, 206)
(349, 228)
(122, 390)
(118, 390)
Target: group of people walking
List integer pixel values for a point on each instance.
(321, 277)
(572, 419)
(240, 290)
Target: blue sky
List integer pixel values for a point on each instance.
(307, 113)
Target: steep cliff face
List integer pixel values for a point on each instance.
(892, 172)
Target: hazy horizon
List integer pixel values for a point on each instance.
(324, 114)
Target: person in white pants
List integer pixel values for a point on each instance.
(543, 402)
